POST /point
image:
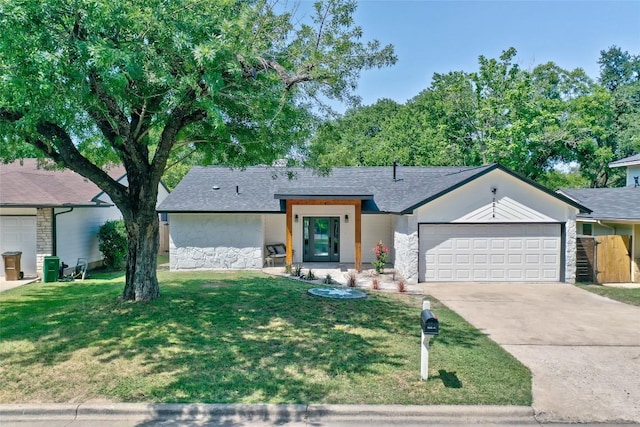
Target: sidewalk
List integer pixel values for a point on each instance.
(143, 415)
(5, 285)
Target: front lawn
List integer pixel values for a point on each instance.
(240, 338)
(627, 295)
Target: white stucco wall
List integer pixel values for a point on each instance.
(374, 229)
(77, 232)
(632, 171)
(275, 228)
(215, 241)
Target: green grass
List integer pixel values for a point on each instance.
(626, 295)
(240, 338)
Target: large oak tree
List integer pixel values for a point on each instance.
(96, 82)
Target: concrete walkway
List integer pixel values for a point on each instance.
(5, 285)
(583, 350)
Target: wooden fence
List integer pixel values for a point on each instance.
(164, 238)
(603, 259)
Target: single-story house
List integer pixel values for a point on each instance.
(615, 211)
(52, 212)
(482, 223)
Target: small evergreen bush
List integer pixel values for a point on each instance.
(112, 241)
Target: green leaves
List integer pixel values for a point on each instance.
(152, 83)
(528, 120)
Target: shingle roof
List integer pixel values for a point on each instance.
(24, 184)
(608, 203)
(627, 161)
(257, 186)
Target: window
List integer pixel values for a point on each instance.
(587, 229)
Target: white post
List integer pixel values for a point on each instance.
(424, 344)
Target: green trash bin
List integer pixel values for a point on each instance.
(51, 269)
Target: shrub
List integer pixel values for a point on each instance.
(309, 276)
(288, 269)
(112, 242)
(328, 279)
(375, 283)
(402, 285)
(382, 252)
(297, 270)
(352, 278)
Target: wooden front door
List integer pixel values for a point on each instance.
(613, 259)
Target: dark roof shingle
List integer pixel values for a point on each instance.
(608, 203)
(213, 189)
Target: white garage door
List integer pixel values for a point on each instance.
(490, 252)
(18, 233)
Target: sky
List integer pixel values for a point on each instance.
(441, 36)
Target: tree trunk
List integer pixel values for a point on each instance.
(143, 241)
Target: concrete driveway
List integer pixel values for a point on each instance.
(582, 349)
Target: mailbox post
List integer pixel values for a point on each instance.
(430, 327)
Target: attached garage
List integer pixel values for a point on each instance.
(18, 233)
(490, 252)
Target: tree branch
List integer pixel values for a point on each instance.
(180, 117)
(288, 79)
(56, 143)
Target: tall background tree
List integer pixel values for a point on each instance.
(146, 83)
(529, 120)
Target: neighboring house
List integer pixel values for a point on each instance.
(442, 224)
(615, 211)
(52, 212)
(632, 164)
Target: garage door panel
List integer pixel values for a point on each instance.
(463, 244)
(481, 244)
(18, 233)
(490, 252)
(463, 259)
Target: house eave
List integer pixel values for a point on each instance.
(305, 196)
(237, 212)
(54, 205)
(609, 219)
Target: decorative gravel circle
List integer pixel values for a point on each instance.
(337, 293)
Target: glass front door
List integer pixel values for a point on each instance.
(321, 239)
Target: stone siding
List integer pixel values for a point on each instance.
(406, 250)
(570, 251)
(218, 258)
(44, 236)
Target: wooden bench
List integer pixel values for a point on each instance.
(274, 252)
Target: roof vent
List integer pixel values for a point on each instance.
(395, 168)
(215, 187)
(237, 190)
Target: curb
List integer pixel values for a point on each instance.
(272, 414)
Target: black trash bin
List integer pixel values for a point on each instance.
(12, 265)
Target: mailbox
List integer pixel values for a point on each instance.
(429, 323)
